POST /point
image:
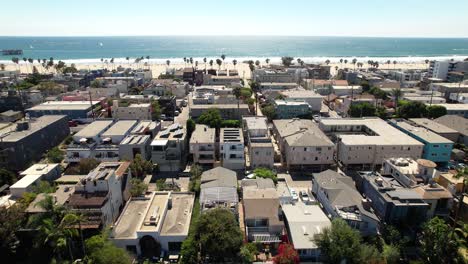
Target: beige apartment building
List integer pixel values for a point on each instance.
(367, 142)
(261, 150)
(132, 111)
(203, 145)
(303, 144)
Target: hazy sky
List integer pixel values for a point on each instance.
(406, 18)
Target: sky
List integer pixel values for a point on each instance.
(378, 18)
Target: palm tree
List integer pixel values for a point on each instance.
(219, 62)
(341, 61)
(128, 59)
(257, 63)
(211, 64)
(112, 62)
(354, 61)
(191, 61)
(2, 67)
(147, 60)
(388, 64)
(427, 63)
(196, 64)
(267, 61)
(234, 62)
(394, 64)
(298, 60)
(327, 62)
(168, 62)
(204, 60)
(185, 61)
(345, 62)
(223, 57)
(396, 93)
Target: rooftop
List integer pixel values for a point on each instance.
(455, 107)
(382, 132)
(120, 128)
(297, 93)
(219, 177)
(433, 125)
(255, 122)
(10, 133)
(455, 122)
(203, 134)
(231, 135)
(301, 132)
(135, 139)
(304, 222)
(93, 129)
(421, 132)
(40, 169)
(63, 105)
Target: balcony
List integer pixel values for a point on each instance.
(262, 235)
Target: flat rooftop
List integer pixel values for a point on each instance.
(135, 139)
(63, 105)
(151, 214)
(93, 129)
(231, 135)
(300, 93)
(40, 169)
(384, 134)
(9, 133)
(256, 122)
(301, 132)
(203, 134)
(421, 132)
(120, 128)
(455, 107)
(432, 125)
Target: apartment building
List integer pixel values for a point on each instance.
(339, 198)
(303, 144)
(261, 150)
(132, 145)
(169, 148)
(32, 176)
(26, 141)
(72, 109)
(273, 76)
(231, 148)
(456, 123)
(291, 109)
(439, 129)
(436, 148)
(456, 109)
(203, 145)
(310, 97)
(366, 142)
(218, 188)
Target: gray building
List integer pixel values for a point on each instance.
(26, 141)
(133, 145)
(219, 189)
(457, 123)
(203, 145)
(261, 150)
(169, 148)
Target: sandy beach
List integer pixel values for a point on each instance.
(243, 68)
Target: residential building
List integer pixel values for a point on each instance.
(101, 194)
(461, 98)
(260, 148)
(209, 79)
(273, 76)
(132, 145)
(436, 148)
(441, 69)
(277, 86)
(162, 87)
(448, 88)
(347, 90)
(147, 127)
(425, 99)
(291, 109)
(303, 222)
(26, 141)
(343, 104)
(85, 140)
(456, 109)
(419, 175)
(457, 123)
(218, 97)
(11, 100)
(132, 111)
(32, 176)
(392, 202)
(312, 98)
(231, 148)
(72, 109)
(366, 142)
(218, 188)
(455, 185)
(339, 198)
(168, 149)
(303, 144)
(203, 145)
(154, 224)
(261, 212)
(439, 129)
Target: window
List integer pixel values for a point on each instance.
(318, 149)
(435, 146)
(305, 149)
(316, 158)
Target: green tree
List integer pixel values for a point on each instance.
(266, 173)
(86, 165)
(269, 111)
(362, 109)
(397, 94)
(248, 252)
(189, 251)
(287, 61)
(436, 111)
(155, 110)
(101, 251)
(7, 177)
(190, 127)
(195, 178)
(138, 187)
(348, 247)
(140, 167)
(55, 155)
(369, 254)
(211, 117)
(439, 243)
(411, 110)
(12, 219)
(378, 93)
(43, 187)
(391, 254)
(219, 234)
(95, 84)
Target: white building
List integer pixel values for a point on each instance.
(32, 176)
(312, 98)
(132, 111)
(155, 223)
(368, 141)
(231, 148)
(459, 97)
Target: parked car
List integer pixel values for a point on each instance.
(294, 195)
(304, 196)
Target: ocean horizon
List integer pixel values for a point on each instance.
(175, 48)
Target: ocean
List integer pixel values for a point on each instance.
(174, 48)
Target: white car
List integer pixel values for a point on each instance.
(304, 196)
(294, 195)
